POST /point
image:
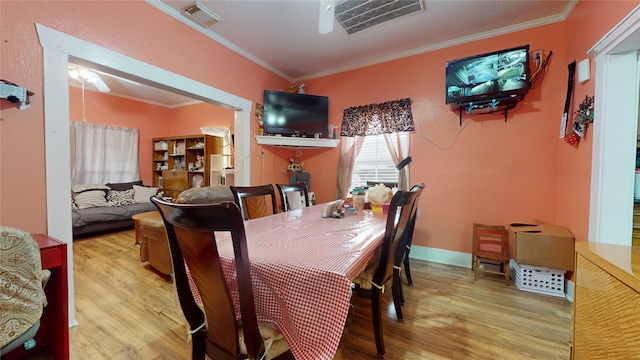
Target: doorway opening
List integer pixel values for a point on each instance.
(58, 48)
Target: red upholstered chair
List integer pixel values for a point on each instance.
(253, 200)
(490, 248)
(214, 329)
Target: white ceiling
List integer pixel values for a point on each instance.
(282, 35)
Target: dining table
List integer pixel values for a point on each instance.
(302, 267)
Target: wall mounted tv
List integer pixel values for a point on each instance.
(295, 114)
(481, 78)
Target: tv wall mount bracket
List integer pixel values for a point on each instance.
(488, 107)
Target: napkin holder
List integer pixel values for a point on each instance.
(333, 209)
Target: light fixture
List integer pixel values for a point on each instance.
(201, 15)
(81, 73)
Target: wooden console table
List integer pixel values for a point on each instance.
(53, 335)
(607, 300)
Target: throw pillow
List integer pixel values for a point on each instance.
(90, 198)
(73, 203)
(86, 187)
(124, 186)
(142, 194)
(120, 198)
(207, 194)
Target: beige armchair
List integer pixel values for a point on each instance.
(22, 281)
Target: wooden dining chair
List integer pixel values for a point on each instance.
(409, 235)
(300, 188)
(381, 271)
(490, 248)
(252, 200)
(404, 260)
(214, 329)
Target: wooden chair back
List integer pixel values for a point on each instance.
(190, 232)
(300, 188)
(254, 200)
(401, 211)
(490, 246)
(409, 236)
(404, 203)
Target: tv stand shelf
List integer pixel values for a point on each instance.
(297, 142)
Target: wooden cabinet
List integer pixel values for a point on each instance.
(182, 162)
(174, 182)
(607, 299)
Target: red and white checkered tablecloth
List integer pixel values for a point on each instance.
(301, 267)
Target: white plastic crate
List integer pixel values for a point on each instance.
(538, 279)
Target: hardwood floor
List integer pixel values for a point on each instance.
(127, 311)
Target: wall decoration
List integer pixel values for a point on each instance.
(583, 116)
(259, 116)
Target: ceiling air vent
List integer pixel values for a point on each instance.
(357, 15)
(201, 15)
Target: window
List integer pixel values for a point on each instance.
(373, 163)
(102, 154)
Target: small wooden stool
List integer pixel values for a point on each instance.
(136, 221)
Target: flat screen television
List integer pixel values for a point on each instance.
(481, 78)
(295, 114)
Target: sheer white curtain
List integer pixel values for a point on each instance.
(102, 154)
(398, 144)
(349, 148)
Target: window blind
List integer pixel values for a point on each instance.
(373, 163)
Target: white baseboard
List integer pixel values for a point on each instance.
(441, 256)
(461, 259)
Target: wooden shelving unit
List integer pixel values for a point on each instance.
(175, 161)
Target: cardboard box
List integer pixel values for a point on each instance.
(549, 246)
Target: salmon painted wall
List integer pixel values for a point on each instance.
(155, 38)
(116, 111)
(486, 171)
(188, 120)
(151, 120)
(588, 23)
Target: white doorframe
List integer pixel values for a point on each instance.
(57, 48)
(615, 132)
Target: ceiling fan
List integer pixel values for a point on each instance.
(83, 74)
(98, 78)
